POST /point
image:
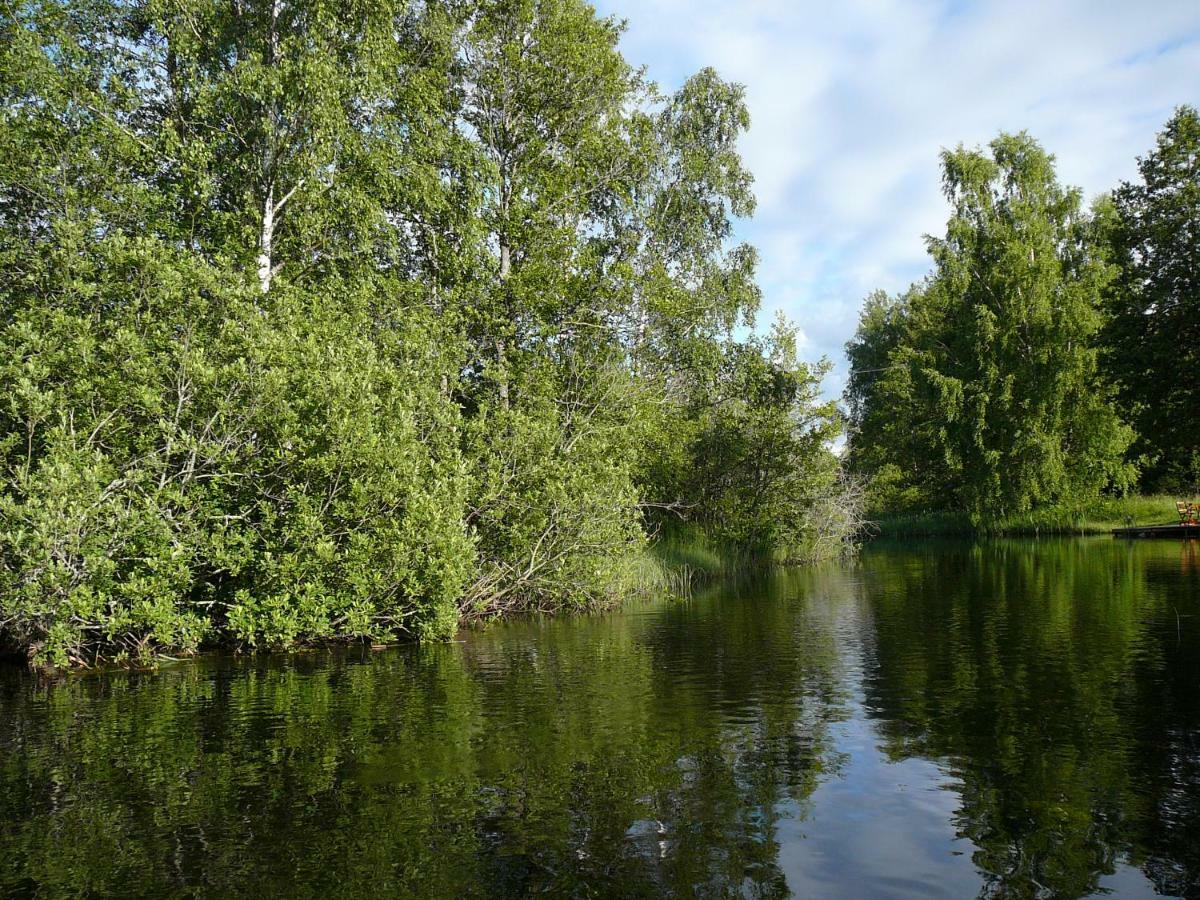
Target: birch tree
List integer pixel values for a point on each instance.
(993, 377)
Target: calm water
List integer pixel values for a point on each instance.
(1011, 719)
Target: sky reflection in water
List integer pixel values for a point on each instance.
(1007, 719)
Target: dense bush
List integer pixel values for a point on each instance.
(553, 502)
(183, 459)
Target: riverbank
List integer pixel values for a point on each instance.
(1099, 517)
(675, 563)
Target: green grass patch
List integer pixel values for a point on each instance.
(1099, 517)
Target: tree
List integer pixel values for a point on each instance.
(1152, 341)
(546, 94)
(995, 378)
(546, 99)
(761, 460)
(886, 442)
(345, 320)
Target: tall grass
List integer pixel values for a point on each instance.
(650, 575)
(692, 548)
(679, 561)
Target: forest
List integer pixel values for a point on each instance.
(334, 320)
(1052, 355)
(357, 321)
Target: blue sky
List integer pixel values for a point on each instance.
(851, 103)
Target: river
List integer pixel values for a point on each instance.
(1011, 718)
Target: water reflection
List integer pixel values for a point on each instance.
(1007, 719)
(1062, 685)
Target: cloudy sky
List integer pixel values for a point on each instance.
(852, 100)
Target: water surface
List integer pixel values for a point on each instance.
(1014, 718)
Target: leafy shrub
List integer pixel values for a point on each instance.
(553, 499)
(183, 465)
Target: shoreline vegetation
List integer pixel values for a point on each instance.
(1039, 379)
(1099, 518)
(331, 322)
(672, 566)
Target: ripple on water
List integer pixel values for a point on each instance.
(937, 720)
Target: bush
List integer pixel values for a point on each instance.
(553, 501)
(185, 464)
(351, 496)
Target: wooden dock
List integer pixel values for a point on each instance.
(1187, 530)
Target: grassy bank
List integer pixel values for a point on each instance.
(1097, 518)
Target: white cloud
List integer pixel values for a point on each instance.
(852, 102)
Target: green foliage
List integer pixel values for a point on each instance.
(981, 386)
(188, 456)
(1152, 340)
(326, 320)
(178, 464)
(757, 455)
(553, 501)
(1099, 516)
(889, 435)
(357, 469)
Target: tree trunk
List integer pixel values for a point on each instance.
(265, 241)
(266, 237)
(501, 349)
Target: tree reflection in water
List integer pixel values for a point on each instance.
(1047, 694)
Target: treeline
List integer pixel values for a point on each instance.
(1052, 354)
(322, 318)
